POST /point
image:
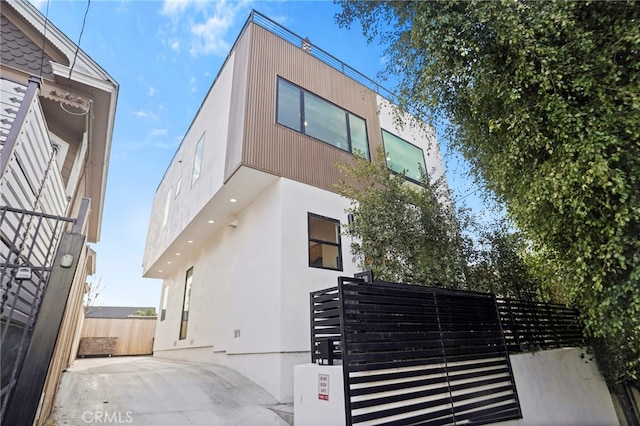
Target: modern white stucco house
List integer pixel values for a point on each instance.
(245, 222)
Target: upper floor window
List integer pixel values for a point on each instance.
(403, 157)
(178, 187)
(165, 217)
(197, 161)
(308, 113)
(325, 247)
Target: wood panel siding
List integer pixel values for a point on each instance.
(31, 180)
(279, 150)
(135, 335)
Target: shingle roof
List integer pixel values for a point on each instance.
(114, 311)
(17, 50)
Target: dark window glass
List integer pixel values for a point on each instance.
(185, 304)
(324, 243)
(325, 121)
(359, 141)
(289, 111)
(403, 157)
(311, 115)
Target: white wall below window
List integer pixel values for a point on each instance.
(250, 291)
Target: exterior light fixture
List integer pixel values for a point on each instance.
(190, 241)
(177, 254)
(233, 200)
(211, 221)
(66, 261)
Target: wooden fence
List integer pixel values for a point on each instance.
(134, 335)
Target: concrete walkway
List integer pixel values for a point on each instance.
(152, 391)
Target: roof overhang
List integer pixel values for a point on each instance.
(97, 90)
(245, 185)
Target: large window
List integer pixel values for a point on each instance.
(325, 249)
(403, 157)
(307, 113)
(186, 304)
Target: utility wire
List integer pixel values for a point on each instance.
(44, 38)
(84, 21)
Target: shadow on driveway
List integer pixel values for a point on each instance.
(152, 391)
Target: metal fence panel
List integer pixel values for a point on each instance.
(417, 355)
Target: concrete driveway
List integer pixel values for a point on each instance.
(152, 391)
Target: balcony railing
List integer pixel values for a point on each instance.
(315, 51)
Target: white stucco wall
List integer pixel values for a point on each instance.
(211, 121)
(250, 289)
(555, 387)
(559, 387)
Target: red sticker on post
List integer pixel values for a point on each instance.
(323, 387)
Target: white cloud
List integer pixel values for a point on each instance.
(152, 91)
(201, 25)
(174, 7)
(146, 115)
(158, 132)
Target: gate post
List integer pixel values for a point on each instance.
(25, 399)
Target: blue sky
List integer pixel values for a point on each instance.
(165, 55)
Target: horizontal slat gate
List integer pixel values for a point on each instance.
(534, 325)
(418, 355)
(325, 321)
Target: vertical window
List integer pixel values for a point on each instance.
(185, 304)
(178, 187)
(307, 113)
(197, 161)
(358, 134)
(403, 157)
(166, 209)
(165, 297)
(289, 112)
(325, 249)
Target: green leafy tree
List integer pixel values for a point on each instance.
(497, 263)
(410, 232)
(401, 231)
(543, 100)
(148, 312)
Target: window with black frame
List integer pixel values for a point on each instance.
(325, 249)
(403, 157)
(307, 113)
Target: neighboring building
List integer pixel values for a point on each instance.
(56, 124)
(246, 221)
(118, 311)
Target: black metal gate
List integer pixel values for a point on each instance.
(28, 243)
(421, 355)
